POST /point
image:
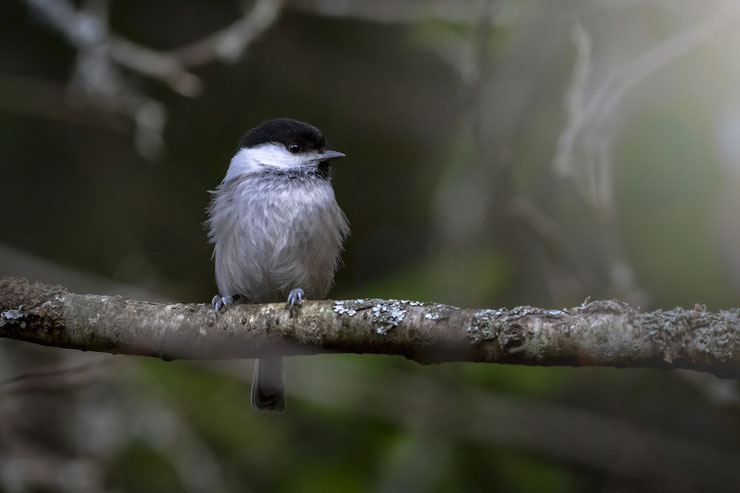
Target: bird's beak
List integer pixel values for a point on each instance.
(327, 155)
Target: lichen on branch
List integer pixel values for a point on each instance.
(596, 333)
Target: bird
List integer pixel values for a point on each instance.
(277, 230)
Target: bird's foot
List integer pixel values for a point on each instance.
(295, 300)
(219, 302)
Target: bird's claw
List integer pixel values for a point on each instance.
(295, 300)
(219, 302)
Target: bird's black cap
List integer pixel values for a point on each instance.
(285, 131)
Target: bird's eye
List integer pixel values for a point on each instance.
(294, 148)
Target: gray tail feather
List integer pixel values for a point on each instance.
(268, 389)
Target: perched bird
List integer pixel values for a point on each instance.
(276, 230)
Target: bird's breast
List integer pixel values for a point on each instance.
(285, 235)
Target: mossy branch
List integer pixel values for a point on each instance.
(596, 333)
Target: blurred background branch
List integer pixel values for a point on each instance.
(102, 53)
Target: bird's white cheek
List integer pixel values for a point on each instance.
(249, 160)
(274, 155)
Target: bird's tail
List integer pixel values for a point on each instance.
(268, 389)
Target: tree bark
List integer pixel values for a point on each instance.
(596, 333)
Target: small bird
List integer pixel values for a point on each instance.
(276, 229)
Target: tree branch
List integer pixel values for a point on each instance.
(597, 333)
(102, 53)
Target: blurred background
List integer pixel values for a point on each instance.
(500, 153)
